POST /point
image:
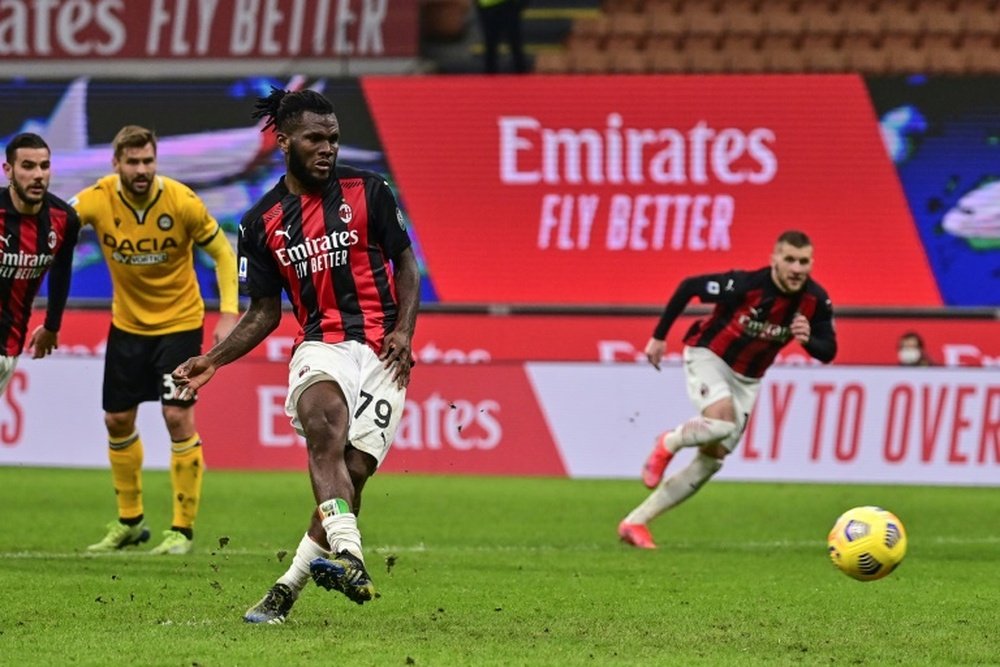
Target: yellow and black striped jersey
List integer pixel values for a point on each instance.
(150, 254)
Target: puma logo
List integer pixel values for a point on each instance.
(5, 238)
(282, 232)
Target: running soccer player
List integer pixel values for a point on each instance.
(38, 232)
(333, 239)
(147, 226)
(725, 356)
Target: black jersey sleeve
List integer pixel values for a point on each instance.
(709, 288)
(61, 273)
(387, 220)
(258, 274)
(822, 343)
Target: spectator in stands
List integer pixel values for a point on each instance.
(911, 351)
(725, 356)
(502, 19)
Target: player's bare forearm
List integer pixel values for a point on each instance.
(261, 318)
(407, 275)
(397, 347)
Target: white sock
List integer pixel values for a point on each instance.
(341, 526)
(698, 431)
(676, 489)
(297, 575)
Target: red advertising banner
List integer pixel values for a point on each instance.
(613, 189)
(485, 420)
(202, 29)
(477, 339)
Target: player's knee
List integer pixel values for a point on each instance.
(720, 430)
(119, 424)
(716, 451)
(179, 421)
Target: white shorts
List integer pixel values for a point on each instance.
(7, 367)
(374, 401)
(710, 379)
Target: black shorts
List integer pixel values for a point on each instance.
(137, 368)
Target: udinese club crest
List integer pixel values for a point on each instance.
(164, 222)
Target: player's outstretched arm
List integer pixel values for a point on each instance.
(261, 319)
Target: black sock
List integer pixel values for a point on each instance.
(186, 532)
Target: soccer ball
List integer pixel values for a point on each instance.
(867, 543)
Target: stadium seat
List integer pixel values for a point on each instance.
(704, 19)
(782, 17)
(823, 54)
(588, 32)
(864, 54)
(704, 54)
(981, 17)
(589, 61)
(630, 61)
(665, 7)
(904, 18)
(627, 31)
(552, 61)
(982, 54)
(667, 60)
(904, 55)
(782, 54)
(664, 24)
(745, 18)
(821, 18)
(745, 55)
(863, 18)
(945, 55)
(942, 18)
(622, 6)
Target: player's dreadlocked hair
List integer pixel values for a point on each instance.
(284, 106)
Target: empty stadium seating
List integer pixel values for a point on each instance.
(868, 36)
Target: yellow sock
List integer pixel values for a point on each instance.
(125, 455)
(187, 466)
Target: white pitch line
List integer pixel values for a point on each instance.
(504, 548)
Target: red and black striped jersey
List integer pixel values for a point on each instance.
(752, 317)
(330, 252)
(30, 245)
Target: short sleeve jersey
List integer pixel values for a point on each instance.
(150, 253)
(330, 252)
(29, 246)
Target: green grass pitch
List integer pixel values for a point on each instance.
(499, 571)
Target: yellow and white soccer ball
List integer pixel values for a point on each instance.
(867, 543)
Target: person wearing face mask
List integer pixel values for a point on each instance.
(725, 356)
(911, 351)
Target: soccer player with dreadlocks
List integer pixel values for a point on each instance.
(333, 239)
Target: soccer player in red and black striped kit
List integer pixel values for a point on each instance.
(38, 232)
(333, 239)
(725, 356)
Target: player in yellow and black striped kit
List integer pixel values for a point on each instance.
(147, 226)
